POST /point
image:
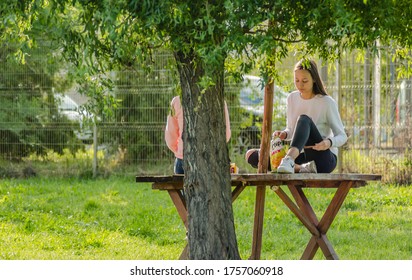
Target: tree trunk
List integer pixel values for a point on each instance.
(211, 231)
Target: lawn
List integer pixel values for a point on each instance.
(118, 219)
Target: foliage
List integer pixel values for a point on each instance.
(143, 97)
(97, 35)
(27, 81)
(394, 169)
(28, 110)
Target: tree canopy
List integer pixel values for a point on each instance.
(103, 33)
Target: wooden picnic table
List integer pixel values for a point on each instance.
(299, 205)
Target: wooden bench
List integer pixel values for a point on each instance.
(300, 205)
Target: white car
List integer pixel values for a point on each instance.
(252, 94)
(251, 100)
(74, 112)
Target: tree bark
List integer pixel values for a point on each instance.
(207, 187)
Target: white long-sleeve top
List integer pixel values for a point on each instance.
(323, 111)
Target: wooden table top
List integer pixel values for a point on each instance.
(330, 180)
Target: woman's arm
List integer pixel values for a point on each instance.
(339, 135)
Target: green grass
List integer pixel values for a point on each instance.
(118, 219)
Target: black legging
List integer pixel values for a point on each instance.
(306, 134)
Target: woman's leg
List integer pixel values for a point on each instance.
(252, 157)
(178, 168)
(307, 134)
(325, 161)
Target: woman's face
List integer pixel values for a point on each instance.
(304, 82)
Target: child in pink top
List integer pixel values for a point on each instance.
(174, 129)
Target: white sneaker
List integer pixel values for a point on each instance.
(309, 167)
(287, 165)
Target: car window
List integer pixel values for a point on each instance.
(66, 104)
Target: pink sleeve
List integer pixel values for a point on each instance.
(228, 131)
(172, 132)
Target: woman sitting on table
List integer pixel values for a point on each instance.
(313, 125)
(174, 130)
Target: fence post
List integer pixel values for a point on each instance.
(366, 98)
(376, 97)
(338, 98)
(94, 150)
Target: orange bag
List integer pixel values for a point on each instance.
(277, 152)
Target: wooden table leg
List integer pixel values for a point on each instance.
(185, 253)
(295, 209)
(258, 222)
(324, 244)
(307, 216)
(325, 223)
(180, 204)
(237, 191)
(334, 206)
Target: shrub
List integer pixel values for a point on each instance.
(394, 168)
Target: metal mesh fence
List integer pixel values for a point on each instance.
(44, 130)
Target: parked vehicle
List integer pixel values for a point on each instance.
(74, 112)
(251, 101)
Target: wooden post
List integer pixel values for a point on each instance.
(263, 168)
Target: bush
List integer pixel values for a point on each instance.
(395, 168)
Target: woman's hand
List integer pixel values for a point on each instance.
(279, 133)
(322, 146)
